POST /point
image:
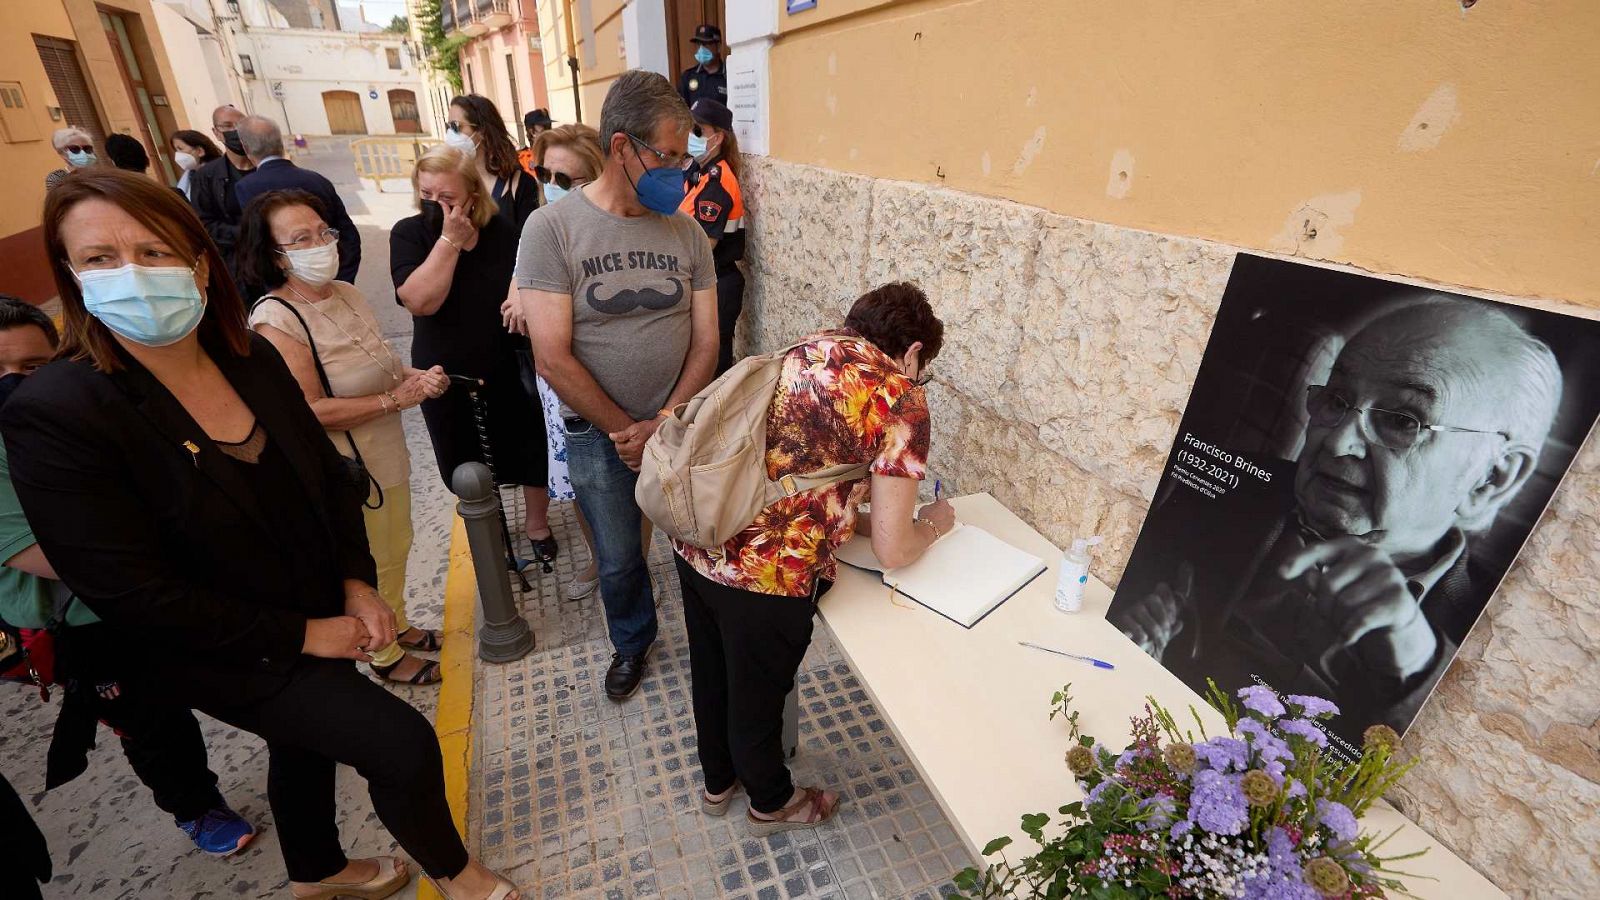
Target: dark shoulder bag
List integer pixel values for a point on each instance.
(357, 477)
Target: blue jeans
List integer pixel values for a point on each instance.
(604, 485)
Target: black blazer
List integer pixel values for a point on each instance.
(212, 193)
(283, 175)
(168, 544)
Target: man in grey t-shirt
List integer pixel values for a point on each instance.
(618, 291)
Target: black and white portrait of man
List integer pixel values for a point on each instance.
(1333, 521)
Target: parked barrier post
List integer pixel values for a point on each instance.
(503, 635)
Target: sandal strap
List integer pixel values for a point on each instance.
(811, 797)
(423, 675)
(430, 642)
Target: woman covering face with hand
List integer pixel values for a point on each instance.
(185, 492)
(326, 330)
(452, 266)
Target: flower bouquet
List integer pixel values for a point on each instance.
(1260, 812)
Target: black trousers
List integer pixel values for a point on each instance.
(329, 714)
(744, 651)
(160, 738)
(730, 303)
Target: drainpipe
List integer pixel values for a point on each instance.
(572, 63)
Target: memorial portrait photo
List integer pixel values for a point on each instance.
(1359, 464)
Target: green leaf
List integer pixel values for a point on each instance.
(998, 844)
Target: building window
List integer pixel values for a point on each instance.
(246, 64)
(394, 56)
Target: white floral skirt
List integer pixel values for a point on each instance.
(556, 436)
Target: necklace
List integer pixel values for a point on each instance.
(360, 343)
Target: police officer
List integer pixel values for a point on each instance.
(708, 78)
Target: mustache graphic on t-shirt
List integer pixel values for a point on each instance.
(626, 300)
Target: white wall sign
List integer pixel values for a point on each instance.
(747, 96)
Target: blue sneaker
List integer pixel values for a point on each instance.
(220, 832)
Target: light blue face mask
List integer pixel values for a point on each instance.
(704, 55)
(153, 306)
(697, 145)
(79, 159)
(553, 192)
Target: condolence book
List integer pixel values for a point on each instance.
(963, 576)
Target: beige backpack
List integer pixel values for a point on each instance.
(703, 478)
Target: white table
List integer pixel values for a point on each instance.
(971, 707)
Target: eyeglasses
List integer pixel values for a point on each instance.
(671, 161)
(79, 148)
(559, 179)
(453, 126)
(1386, 427)
(322, 239)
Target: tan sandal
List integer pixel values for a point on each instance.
(503, 888)
(718, 807)
(814, 798)
(393, 874)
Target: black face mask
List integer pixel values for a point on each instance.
(433, 216)
(9, 383)
(230, 139)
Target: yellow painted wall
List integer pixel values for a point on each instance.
(594, 80)
(1412, 138)
(25, 164)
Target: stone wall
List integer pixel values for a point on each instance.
(1070, 350)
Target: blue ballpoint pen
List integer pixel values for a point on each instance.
(937, 484)
(1097, 663)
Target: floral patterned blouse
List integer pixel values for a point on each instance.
(838, 401)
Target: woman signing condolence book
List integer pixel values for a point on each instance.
(850, 396)
(185, 492)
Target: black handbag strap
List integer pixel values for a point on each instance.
(327, 390)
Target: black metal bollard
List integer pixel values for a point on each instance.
(503, 635)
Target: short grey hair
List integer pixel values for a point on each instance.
(637, 103)
(260, 136)
(62, 135)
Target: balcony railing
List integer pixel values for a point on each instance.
(447, 15)
(495, 13)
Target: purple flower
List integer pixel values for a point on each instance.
(1161, 808)
(1281, 853)
(1221, 753)
(1268, 746)
(1128, 756)
(1262, 700)
(1181, 828)
(1295, 789)
(1304, 728)
(1338, 818)
(1312, 706)
(1097, 792)
(1275, 887)
(1217, 804)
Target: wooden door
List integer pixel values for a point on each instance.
(403, 106)
(683, 17)
(344, 112)
(134, 79)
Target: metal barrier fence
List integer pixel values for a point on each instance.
(379, 158)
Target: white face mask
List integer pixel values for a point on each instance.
(461, 142)
(315, 266)
(185, 161)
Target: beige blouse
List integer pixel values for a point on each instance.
(359, 363)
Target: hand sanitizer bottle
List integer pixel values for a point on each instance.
(1074, 575)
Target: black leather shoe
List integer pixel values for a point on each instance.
(624, 675)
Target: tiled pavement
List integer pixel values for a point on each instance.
(572, 795)
(578, 797)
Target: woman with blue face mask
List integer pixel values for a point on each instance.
(76, 149)
(563, 161)
(715, 201)
(179, 484)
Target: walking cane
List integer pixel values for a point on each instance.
(480, 418)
